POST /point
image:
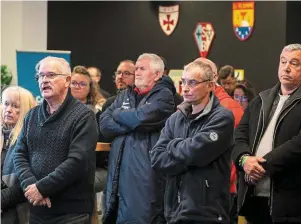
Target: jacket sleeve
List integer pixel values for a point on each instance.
(283, 156)
(173, 156)
(108, 126)
(241, 139)
(21, 159)
(12, 196)
(149, 117)
(81, 155)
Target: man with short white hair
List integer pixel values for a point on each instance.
(55, 152)
(194, 152)
(134, 191)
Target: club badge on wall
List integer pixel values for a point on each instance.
(203, 36)
(168, 18)
(243, 19)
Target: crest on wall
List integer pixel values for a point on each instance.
(203, 36)
(243, 19)
(168, 18)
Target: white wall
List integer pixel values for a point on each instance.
(23, 27)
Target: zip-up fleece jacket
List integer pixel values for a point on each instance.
(195, 155)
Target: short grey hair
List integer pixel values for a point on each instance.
(62, 65)
(156, 63)
(202, 68)
(292, 47)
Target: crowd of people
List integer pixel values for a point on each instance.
(206, 156)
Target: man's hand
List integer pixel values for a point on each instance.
(252, 168)
(33, 195)
(44, 202)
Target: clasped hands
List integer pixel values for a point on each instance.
(34, 196)
(253, 168)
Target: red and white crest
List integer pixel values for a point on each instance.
(168, 18)
(203, 36)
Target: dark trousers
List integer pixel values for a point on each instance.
(259, 211)
(59, 219)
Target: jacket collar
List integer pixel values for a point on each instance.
(69, 100)
(268, 97)
(186, 108)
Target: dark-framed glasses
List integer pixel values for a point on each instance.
(49, 76)
(125, 73)
(239, 98)
(191, 83)
(81, 84)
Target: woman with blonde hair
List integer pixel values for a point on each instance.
(15, 103)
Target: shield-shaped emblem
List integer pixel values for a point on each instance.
(243, 19)
(168, 18)
(203, 36)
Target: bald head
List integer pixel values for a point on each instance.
(208, 62)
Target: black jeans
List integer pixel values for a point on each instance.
(259, 211)
(59, 219)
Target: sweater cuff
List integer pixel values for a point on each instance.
(28, 181)
(43, 187)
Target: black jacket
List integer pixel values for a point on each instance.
(195, 156)
(283, 162)
(57, 153)
(135, 128)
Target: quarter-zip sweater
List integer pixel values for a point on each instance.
(57, 153)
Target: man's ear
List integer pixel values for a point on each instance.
(68, 80)
(215, 77)
(158, 75)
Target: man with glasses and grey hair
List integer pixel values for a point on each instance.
(194, 152)
(133, 122)
(267, 148)
(55, 152)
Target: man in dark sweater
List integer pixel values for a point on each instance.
(55, 152)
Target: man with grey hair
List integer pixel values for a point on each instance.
(133, 122)
(268, 148)
(55, 151)
(194, 152)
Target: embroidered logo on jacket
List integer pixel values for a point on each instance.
(126, 104)
(213, 136)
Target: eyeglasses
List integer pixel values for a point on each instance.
(240, 98)
(50, 75)
(81, 84)
(125, 73)
(192, 83)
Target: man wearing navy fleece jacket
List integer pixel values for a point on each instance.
(55, 153)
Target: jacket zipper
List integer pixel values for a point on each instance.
(278, 122)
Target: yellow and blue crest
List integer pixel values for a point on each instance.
(243, 19)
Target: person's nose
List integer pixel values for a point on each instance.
(8, 109)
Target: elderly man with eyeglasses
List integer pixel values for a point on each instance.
(194, 153)
(55, 152)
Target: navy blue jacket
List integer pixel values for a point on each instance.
(195, 156)
(137, 128)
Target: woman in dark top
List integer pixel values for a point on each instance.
(16, 102)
